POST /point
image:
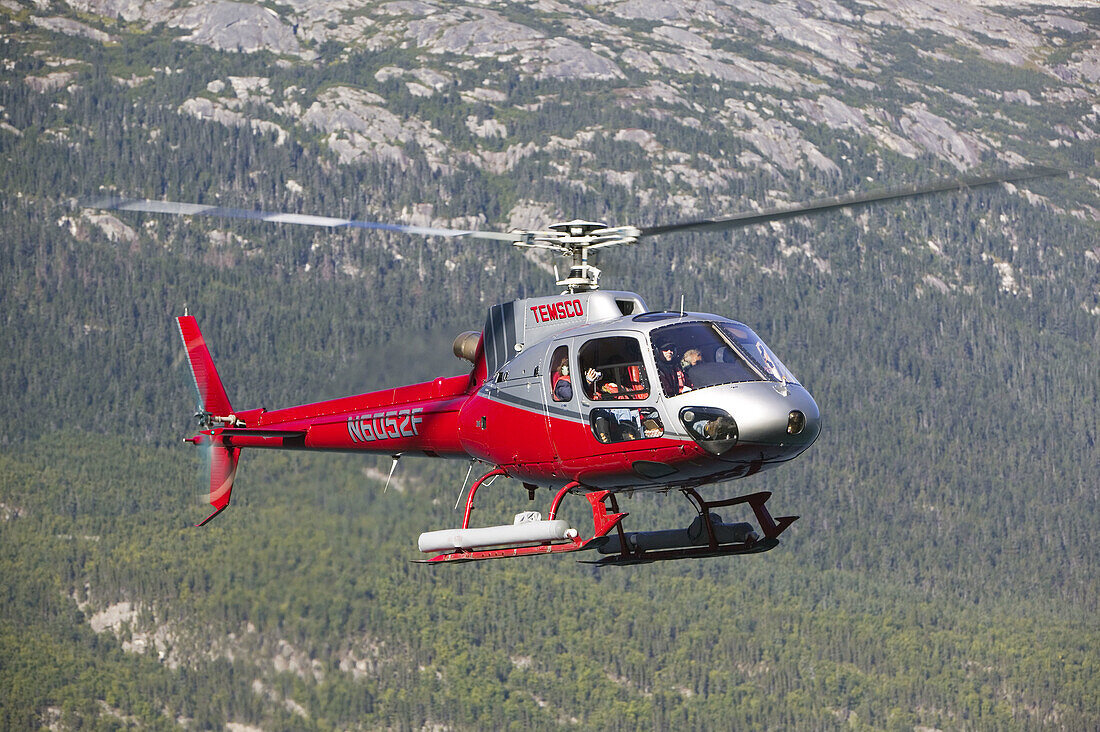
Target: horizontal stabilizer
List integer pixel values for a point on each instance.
(260, 432)
(260, 437)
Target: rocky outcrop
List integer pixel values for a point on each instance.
(232, 26)
(780, 76)
(358, 125)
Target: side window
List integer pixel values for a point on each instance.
(612, 368)
(561, 384)
(620, 424)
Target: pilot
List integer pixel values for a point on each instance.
(673, 379)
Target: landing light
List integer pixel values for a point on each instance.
(714, 429)
(796, 422)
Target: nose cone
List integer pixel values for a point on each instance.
(767, 416)
(772, 420)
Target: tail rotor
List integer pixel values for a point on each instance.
(214, 414)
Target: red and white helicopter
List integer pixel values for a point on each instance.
(587, 392)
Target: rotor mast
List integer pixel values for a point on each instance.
(574, 239)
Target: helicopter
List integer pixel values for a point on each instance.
(586, 392)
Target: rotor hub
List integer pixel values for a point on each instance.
(575, 239)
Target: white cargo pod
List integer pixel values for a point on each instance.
(527, 532)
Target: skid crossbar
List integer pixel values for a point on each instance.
(771, 527)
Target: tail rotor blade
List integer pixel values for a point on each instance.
(220, 463)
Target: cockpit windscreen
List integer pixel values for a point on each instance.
(701, 354)
(695, 355)
(757, 351)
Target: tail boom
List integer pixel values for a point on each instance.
(415, 419)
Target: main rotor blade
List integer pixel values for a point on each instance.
(749, 218)
(195, 209)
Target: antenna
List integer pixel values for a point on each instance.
(393, 466)
(464, 482)
(681, 304)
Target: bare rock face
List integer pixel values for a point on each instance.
(936, 135)
(232, 26)
(695, 56)
(484, 33)
(662, 10)
(964, 22)
(227, 26)
(154, 11)
(776, 78)
(564, 58)
(72, 27)
(50, 81)
(202, 108)
(359, 126)
(776, 139)
(833, 41)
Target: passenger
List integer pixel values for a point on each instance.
(600, 389)
(692, 357)
(720, 371)
(601, 425)
(562, 385)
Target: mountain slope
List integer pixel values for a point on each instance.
(944, 572)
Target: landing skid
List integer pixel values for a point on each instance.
(648, 557)
(656, 546)
(708, 536)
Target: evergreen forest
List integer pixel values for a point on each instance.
(945, 571)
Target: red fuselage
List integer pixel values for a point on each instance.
(449, 418)
(587, 388)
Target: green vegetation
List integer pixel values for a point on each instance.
(945, 569)
(310, 567)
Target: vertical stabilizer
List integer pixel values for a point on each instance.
(211, 394)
